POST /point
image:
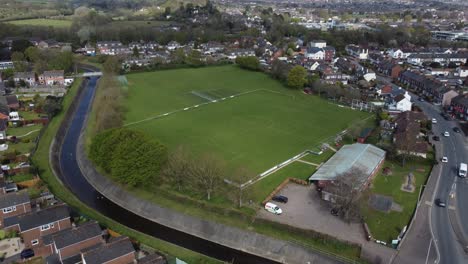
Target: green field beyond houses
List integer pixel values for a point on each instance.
(42, 22)
(262, 125)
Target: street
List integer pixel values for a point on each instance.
(439, 235)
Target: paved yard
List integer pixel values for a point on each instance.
(11, 247)
(305, 210)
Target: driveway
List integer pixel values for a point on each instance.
(306, 210)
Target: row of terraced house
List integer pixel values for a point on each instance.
(48, 231)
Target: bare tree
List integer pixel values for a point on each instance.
(236, 183)
(345, 192)
(207, 173)
(406, 143)
(178, 167)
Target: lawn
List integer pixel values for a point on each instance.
(30, 115)
(42, 22)
(265, 186)
(387, 226)
(256, 130)
(20, 131)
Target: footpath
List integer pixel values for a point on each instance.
(251, 242)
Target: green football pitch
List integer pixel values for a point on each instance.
(243, 117)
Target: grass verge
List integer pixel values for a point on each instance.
(41, 160)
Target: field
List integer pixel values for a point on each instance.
(42, 22)
(265, 126)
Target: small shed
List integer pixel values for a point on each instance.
(365, 133)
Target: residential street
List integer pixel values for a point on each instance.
(437, 234)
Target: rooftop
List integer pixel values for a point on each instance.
(38, 218)
(364, 157)
(108, 252)
(74, 235)
(12, 199)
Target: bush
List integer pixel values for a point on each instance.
(129, 156)
(249, 63)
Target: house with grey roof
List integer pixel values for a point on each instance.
(119, 251)
(14, 204)
(28, 77)
(68, 243)
(33, 226)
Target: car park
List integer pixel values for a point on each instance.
(456, 130)
(440, 203)
(280, 198)
(436, 138)
(446, 134)
(273, 208)
(444, 159)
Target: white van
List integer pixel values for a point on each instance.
(462, 170)
(273, 208)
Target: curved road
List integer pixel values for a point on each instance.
(449, 226)
(75, 181)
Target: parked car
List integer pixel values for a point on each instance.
(280, 198)
(436, 138)
(444, 159)
(421, 99)
(273, 208)
(446, 134)
(334, 211)
(456, 130)
(434, 121)
(440, 203)
(27, 253)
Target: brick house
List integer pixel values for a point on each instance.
(52, 78)
(14, 204)
(68, 244)
(118, 251)
(329, 53)
(459, 106)
(33, 226)
(407, 138)
(390, 68)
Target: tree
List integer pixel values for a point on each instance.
(136, 52)
(19, 61)
(20, 45)
(207, 174)
(111, 65)
(52, 107)
(129, 156)
(355, 129)
(248, 62)
(345, 191)
(194, 58)
(33, 54)
(297, 77)
(279, 70)
(407, 18)
(236, 183)
(178, 167)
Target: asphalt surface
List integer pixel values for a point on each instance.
(450, 224)
(439, 235)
